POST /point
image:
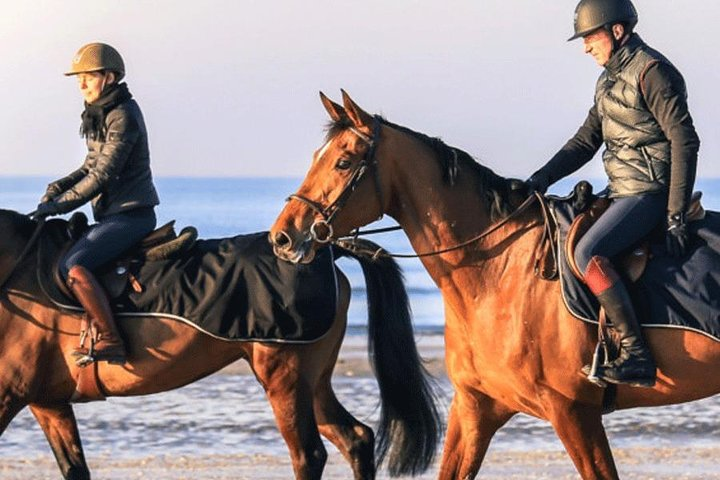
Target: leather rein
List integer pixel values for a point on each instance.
(369, 162)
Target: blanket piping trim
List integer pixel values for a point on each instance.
(184, 320)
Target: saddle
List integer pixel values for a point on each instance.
(631, 264)
(117, 277)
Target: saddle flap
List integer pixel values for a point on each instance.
(632, 264)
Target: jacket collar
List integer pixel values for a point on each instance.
(624, 54)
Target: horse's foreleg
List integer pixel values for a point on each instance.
(474, 418)
(58, 423)
(580, 428)
(354, 439)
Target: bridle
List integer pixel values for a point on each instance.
(367, 163)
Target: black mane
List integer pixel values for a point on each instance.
(494, 187)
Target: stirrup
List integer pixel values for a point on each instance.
(591, 371)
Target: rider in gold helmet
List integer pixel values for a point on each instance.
(115, 177)
(640, 113)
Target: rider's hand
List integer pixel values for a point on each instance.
(677, 236)
(53, 190)
(538, 182)
(45, 209)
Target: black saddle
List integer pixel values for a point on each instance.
(116, 277)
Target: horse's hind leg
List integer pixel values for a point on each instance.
(473, 420)
(290, 395)
(581, 431)
(58, 423)
(354, 439)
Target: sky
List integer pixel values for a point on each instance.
(230, 87)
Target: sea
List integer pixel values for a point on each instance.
(226, 413)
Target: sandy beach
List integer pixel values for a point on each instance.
(643, 462)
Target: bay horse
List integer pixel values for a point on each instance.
(511, 345)
(36, 369)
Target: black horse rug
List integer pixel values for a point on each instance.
(231, 288)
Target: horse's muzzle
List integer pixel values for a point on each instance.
(283, 248)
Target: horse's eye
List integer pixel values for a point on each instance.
(343, 164)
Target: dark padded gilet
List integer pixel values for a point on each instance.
(637, 158)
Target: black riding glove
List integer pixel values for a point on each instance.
(677, 236)
(538, 182)
(46, 209)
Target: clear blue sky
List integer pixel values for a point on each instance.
(229, 87)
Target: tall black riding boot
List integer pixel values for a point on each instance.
(635, 365)
(93, 298)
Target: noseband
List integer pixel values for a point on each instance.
(321, 230)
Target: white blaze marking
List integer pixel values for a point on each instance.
(321, 152)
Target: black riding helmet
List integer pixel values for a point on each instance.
(593, 14)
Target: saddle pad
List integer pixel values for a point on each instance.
(236, 289)
(671, 293)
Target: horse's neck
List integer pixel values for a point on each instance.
(436, 216)
(450, 216)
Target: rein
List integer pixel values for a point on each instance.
(348, 244)
(30, 244)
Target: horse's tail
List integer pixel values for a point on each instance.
(410, 424)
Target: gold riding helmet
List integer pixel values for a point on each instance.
(95, 57)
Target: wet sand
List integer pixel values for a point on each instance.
(635, 464)
(647, 463)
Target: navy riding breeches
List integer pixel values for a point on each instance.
(626, 221)
(108, 239)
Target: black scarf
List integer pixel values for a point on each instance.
(93, 118)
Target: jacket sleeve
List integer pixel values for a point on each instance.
(54, 189)
(578, 151)
(666, 96)
(69, 180)
(122, 133)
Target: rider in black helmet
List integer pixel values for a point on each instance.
(640, 113)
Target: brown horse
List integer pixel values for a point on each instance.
(36, 370)
(511, 346)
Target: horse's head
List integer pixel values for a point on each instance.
(344, 170)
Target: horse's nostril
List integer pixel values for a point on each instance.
(281, 239)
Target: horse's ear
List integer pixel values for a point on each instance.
(335, 111)
(358, 116)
